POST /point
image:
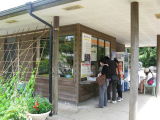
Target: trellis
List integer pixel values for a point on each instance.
(21, 52)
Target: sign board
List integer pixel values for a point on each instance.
(85, 69)
(86, 47)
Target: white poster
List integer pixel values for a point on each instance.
(86, 47)
(85, 69)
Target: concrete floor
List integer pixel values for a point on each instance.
(148, 109)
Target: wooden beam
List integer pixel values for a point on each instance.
(158, 67)
(55, 64)
(133, 102)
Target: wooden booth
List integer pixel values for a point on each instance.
(80, 49)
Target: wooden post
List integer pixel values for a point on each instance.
(38, 45)
(158, 67)
(77, 61)
(55, 65)
(133, 102)
(34, 54)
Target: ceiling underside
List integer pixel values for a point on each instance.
(111, 17)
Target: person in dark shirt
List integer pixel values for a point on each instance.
(103, 88)
(112, 80)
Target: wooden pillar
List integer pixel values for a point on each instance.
(34, 54)
(55, 64)
(38, 45)
(158, 67)
(77, 61)
(133, 102)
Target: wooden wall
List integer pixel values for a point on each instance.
(66, 88)
(87, 91)
(42, 86)
(120, 47)
(70, 89)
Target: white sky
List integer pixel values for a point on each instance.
(6, 4)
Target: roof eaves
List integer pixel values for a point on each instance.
(37, 5)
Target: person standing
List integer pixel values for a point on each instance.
(103, 88)
(113, 73)
(119, 85)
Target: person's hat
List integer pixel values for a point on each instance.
(146, 70)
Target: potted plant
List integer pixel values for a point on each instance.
(38, 108)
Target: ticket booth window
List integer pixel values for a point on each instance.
(101, 49)
(66, 55)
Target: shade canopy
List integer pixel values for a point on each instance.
(111, 17)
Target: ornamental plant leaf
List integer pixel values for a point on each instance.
(12, 102)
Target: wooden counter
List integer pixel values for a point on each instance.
(87, 90)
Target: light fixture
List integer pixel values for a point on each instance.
(74, 7)
(157, 16)
(11, 21)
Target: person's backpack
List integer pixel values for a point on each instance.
(101, 80)
(150, 81)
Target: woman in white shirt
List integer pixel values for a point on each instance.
(149, 75)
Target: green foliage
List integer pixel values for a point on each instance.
(44, 48)
(43, 66)
(147, 55)
(12, 102)
(38, 105)
(66, 44)
(16, 99)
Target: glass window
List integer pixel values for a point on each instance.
(107, 48)
(101, 49)
(94, 56)
(66, 55)
(94, 49)
(44, 54)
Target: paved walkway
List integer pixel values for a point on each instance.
(148, 109)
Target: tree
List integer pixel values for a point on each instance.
(147, 55)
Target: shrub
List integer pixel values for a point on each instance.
(12, 102)
(38, 105)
